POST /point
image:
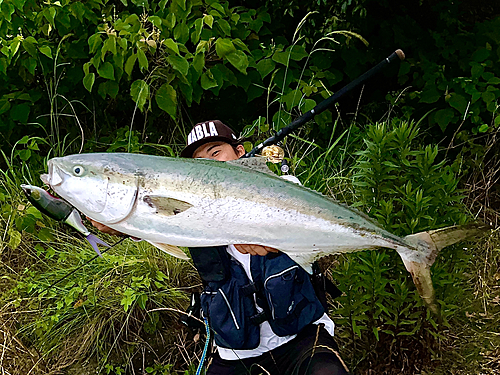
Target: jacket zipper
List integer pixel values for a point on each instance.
(272, 276)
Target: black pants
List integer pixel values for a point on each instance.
(312, 352)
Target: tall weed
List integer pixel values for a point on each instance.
(407, 188)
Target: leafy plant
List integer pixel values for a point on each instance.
(407, 189)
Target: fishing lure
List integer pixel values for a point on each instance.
(60, 210)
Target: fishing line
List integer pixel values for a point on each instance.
(84, 264)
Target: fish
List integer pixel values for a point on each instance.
(201, 202)
(60, 210)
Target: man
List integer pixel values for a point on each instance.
(261, 305)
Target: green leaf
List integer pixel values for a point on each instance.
(19, 4)
(4, 105)
(139, 90)
(94, 42)
(198, 27)
(308, 105)
(14, 239)
(46, 51)
(483, 128)
(458, 102)
(143, 61)
(180, 3)
(20, 113)
(29, 46)
(155, 20)
(171, 44)
(166, 98)
(224, 26)
(7, 10)
(298, 52)
(239, 60)
(238, 43)
(291, 99)
(110, 88)
(106, 70)
(494, 81)
(209, 20)
(207, 80)
(129, 64)
(430, 95)
(50, 14)
(88, 81)
(179, 63)
(281, 57)
(109, 45)
(181, 33)
(30, 64)
(265, 66)
(218, 7)
(170, 20)
(199, 62)
(25, 154)
(480, 55)
(224, 46)
(488, 96)
(443, 117)
(476, 70)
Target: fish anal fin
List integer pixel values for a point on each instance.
(170, 249)
(165, 205)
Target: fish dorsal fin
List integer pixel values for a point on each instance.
(165, 205)
(170, 249)
(257, 163)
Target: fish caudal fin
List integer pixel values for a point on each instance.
(428, 245)
(170, 249)
(94, 241)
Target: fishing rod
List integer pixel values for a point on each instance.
(298, 122)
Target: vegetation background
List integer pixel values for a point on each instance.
(416, 148)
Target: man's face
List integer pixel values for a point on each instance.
(219, 150)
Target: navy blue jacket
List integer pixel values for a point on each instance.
(280, 287)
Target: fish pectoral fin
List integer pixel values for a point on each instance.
(258, 163)
(165, 205)
(170, 249)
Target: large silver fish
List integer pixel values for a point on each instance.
(198, 202)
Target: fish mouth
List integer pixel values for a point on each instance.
(54, 177)
(45, 178)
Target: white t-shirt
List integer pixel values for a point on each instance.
(268, 339)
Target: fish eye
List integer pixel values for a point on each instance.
(78, 170)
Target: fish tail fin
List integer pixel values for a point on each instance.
(428, 245)
(94, 241)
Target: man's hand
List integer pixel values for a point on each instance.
(255, 249)
(104, 228)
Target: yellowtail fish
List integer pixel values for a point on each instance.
(199, 202)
